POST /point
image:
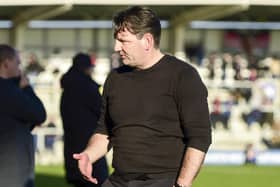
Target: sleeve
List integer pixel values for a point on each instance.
(105, 123)
(191, 96)
(24, 105)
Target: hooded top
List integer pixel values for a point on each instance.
(80, 110)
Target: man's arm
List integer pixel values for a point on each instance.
(96, 148)
(192, 162)
(22, 104)
(194, 117)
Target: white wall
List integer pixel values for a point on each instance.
(213, 40)
(192, 36)
(33, 37)
(274, 41)
(4, 36)
(86, 38)
(61, 38)
(164, 42)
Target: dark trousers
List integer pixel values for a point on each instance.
(29, 183)
(115, 181)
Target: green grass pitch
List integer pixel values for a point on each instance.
(210, 176)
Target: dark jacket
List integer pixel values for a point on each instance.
(20, 111)
(80, 110)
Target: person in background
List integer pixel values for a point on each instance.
(250, 154)
(154, 113)
(80, 109)
(33, 65)
(33, 68)
(50, 138)
(20, 111)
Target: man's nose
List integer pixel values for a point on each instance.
(117, 46)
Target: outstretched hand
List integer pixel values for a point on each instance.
(85, 166)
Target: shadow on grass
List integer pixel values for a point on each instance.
(45, 180)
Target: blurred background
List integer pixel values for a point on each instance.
(234, 44)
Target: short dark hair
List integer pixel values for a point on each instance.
(7, 52)
(82, 61)
(138, 20)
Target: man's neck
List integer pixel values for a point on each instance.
(3, 75)
(152, 59)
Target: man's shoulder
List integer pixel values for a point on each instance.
(9, 93)
(7, 85)
(179, 65)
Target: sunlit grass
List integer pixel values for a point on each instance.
(210, 176)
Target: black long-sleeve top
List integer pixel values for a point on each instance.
(152, 115)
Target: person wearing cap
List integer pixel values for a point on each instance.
(80, 109)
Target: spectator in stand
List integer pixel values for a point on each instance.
(250, 154)
(237, 66)
(211, 65)
(221, 112)
(273, 142)
(261, 103)
(33, 65)
(50, 138)
(274, 67)
(33, 68)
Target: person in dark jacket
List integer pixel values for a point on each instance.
(80, 110)
(20, 111)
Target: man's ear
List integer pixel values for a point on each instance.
(5, 63)
(148, 41)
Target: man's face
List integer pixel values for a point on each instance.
(12, 67)
(130, 48)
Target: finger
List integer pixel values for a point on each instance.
(91, 179)
(77, 156)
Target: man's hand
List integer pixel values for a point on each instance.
(23, 81)
(85, 166)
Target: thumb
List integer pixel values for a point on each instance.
(77, 156)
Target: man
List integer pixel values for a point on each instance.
(80, 110)
(155, 112)
(20, 111)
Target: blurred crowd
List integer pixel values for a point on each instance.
(251, 86)
(229, 66)
(233, 81)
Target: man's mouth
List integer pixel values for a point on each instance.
(122, 56)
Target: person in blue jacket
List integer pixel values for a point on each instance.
(20, 111)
